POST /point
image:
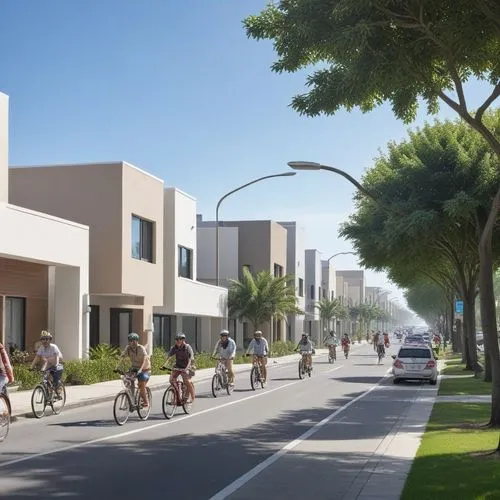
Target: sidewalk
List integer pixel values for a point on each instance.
(84, 395)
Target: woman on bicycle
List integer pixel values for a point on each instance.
(306, 348)
(184, 359)
(260, 348)
(140, 362)
(227, 349)
(51, 356)
(6, 372)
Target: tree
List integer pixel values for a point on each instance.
(260, 298)
(375, 51)
(328, 309)
(434, 192)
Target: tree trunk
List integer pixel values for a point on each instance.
(452, 331)
(488, 321)
(470, 327)
(461, 339)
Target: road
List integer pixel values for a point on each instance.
(313, 437)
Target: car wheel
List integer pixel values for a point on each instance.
(395, 381)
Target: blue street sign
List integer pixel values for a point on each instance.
(459, 306)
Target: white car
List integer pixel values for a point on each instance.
(415, 362)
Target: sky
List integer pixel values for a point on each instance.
(176, 88)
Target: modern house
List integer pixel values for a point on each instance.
(261, 245)
(142, 249)
(44, 274)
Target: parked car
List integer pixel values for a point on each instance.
(415, 362)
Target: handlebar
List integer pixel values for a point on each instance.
(168, 369)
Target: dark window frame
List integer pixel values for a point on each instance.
(145, 250)
(185, 271)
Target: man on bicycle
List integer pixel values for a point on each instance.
(227, 349)
(6, 372)
(306, 348)
(260, 348)
(380, 345)
(51, 356)
(140, 363)
(331, 342)
(184, 359)
(346, 342)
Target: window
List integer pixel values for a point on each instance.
(278, 271)
(312, 292)
(319, 292)
(332, 297)
(142, 239)
(185, 262)
(324, 293)
(15, 309)
(301, 287)
(415, 353)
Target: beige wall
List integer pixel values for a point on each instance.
(88, 194)
(4, 148)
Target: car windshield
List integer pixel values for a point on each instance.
(414, 353)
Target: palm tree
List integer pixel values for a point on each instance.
(329, 309)
(261, 298)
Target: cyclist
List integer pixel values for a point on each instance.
(227, 349)
(51, 356)
(140, 363)
(346, 342)
(386, 339)
(305, 346)
(331, 342)
(380, 345)
(260, 348)
(184, 359)
(6, 371)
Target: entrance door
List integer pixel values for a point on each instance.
(120, 326)
(15, 322)
(94, 326)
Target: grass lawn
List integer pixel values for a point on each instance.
(455, 367)
(450, 463)
(467, 386)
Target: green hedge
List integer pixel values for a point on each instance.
(104, 359)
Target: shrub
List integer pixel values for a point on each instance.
(104, 351)
(89, 371)
(26, 378)
(281, 348)
(18, 357)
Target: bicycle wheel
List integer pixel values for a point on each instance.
(301, 370)
(121, 408)
(56, 403)
(4, 417)
(188, 405)
(309, 370)
(229, 387)
(216, 385)
(254, 377)
(142, 411)
(39, 401)
(169, 402)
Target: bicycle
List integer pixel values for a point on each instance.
(332, 353)
(129, 400)
(5, 413)
(304, 367)
(380, 353)
(176, 394)
(220, 380)
(256, 374)
(45, 394)
(346, 351)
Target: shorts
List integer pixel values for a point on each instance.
(3, 382)
(143, 376)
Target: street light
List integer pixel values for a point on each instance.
(285, 174)
(312, 165)
(340, 253)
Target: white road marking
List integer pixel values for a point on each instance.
(242, 480)
(148, 428)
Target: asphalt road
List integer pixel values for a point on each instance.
(312, 437)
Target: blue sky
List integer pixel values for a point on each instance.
(176, 88)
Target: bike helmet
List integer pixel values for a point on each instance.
(180, 336)
(257, 333)
(45, 335)
(224, 333)
(133, 336)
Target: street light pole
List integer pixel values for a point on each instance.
(340, 253)
(285, 174)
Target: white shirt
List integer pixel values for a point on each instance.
(49, 353)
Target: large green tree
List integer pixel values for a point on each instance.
(366, 52)
(434, 191)
(260, 298)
